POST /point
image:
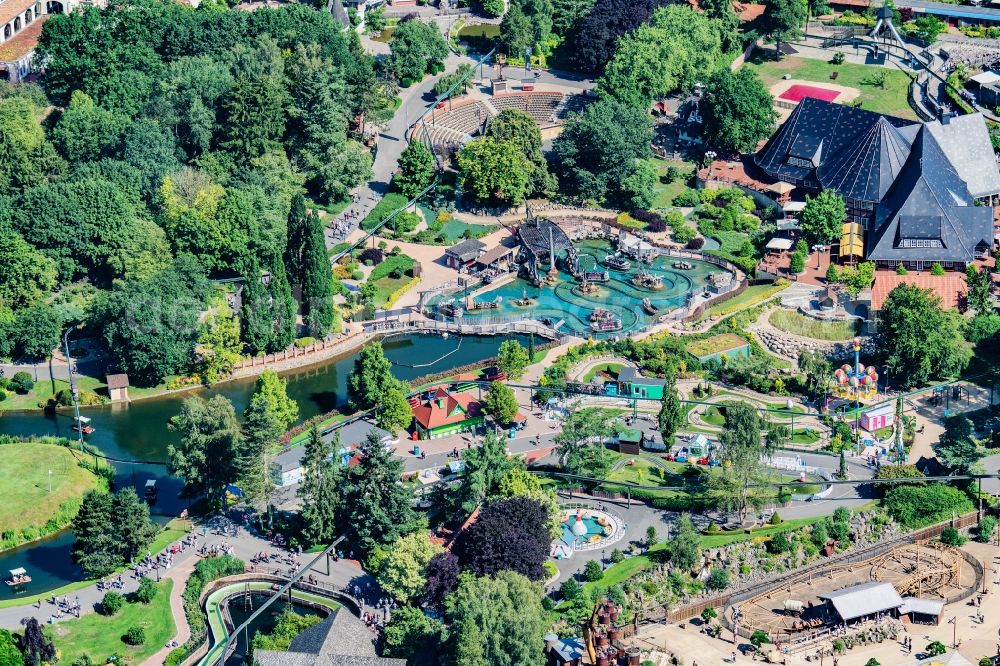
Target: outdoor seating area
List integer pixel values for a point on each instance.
(539, 105)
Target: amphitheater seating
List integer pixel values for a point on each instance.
(573, 104)
(468, 117)
(539, 105)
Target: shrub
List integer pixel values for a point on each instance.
(838, 59)
(797, 263)
(111, 603)
(147, 590)
(374, 255)
(593, 571)
(779, 544)
(687, 198)
(952, 537)
(759, 638)
(842, 515)
(712, 529)
(618, 556)
(901, 270)
(709, 614)
(696, 243)
(175, 657)
(987, 526)
(776, 519)
(718, 579)
(22, 382)
(304, 342)
(937, 269)
(357, 275)
(916, 506)
(135, 636)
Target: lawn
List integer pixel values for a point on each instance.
(803, 436)
(455, 229)
(665, 192)
(645, 473)
(609, 368)
(892, 100)
(713, 416)
(385, 207)
(45, 388)
(35, 479)
(715, 344)
(730, 242)
(100, 636)
(751, 296)
(797, 323)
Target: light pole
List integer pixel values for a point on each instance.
(72, 388)
(50, 480)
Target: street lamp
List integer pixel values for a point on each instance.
(710, 156)
(74, 392)
(50, 480)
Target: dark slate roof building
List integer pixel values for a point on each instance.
(912, 187)
(339, 640)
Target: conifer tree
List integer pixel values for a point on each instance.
(320, 488)
(317, 281)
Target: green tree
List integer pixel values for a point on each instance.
(495, 621)
(274, 389)
(394, 411)
(935, 648)
(638, 190)
(320, 487)
(516, 32)
(493, 171)
(415, 46)
(207, 456)
(257, 316)
(512, 359)
(593, 571)
(672, 414)
(261, 432)
(284, 308)
(256, 104)
(979, 283)
(784, 20)
(85, 132)
(597, 149)
(958, 448)
(823, 217)
(27, 274)
(407, 635)
(416, 169)
(669, 52)
(110, 531)
(501, 403)
(684, 546)
(26, 157)
(517, 127)
(403, 572)
(492, 8)
(817, 371)
(298, 231)
(486, 467)
(37, 330)
(371, 377)
(917, 339)
(518, 482)
(317, 281)
(859, 278)
(219, 345)
(10, 655)
(581, 441)
(377, 509)
(741, 453)
(987, 527)
(188, 96)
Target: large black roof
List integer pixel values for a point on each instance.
(855, 152)
(929, 214)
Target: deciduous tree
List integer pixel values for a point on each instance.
(411, 635)
(501, 403)
(823, 217)
(741, 451)
(493, 171)
(512, 359)
(508, 535)
(403, 572)
(416, 169)
(415, 46)
(738, 111)
(207, 457)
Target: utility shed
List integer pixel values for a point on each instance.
(861, 601)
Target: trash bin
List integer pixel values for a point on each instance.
(416, 450)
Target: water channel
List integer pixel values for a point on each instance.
(138, 431)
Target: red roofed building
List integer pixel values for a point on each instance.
(441, 413)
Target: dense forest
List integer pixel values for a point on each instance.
(166, 146)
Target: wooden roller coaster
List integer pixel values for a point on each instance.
(930, 568)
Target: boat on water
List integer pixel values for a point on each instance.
(606, 325)
(17, 577)
(648, 306)
(151, 491)
(451, 309)
(83, 425)
(486, 305)
(683, 265)
(617, 262)
(596, 276)
(602, 314)
(646, 280)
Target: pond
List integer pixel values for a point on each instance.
(568, 303)
(138, 431)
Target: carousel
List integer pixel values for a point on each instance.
(856, 382)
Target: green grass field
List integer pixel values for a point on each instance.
(751, 296)
(797, 323)
(25, 472)
(99, 636)
(45, 388)
(715, 344)
(713, 416)
(665, 192)
(611, 368)
(892, 100)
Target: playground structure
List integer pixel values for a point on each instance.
(858, 382)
